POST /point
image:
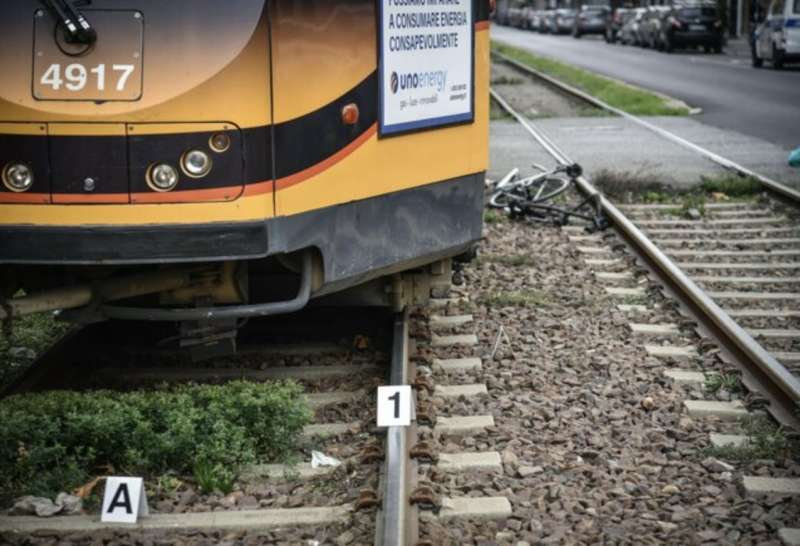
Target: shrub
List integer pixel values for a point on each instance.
(54, 441)
(731, 185)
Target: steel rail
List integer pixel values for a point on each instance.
(396, 525)
(769, 183)
(763, 373)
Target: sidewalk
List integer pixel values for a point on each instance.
(616, 144)
(738, 47)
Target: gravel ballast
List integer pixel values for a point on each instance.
(594, 439)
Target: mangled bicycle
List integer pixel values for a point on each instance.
(533, 197)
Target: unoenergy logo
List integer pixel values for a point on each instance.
(418, 80)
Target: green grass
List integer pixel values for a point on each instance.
(498, 114)
(642, 188)
(693, 201)
(629, 99)
(731, 185)
(491, 216)
(765, 440)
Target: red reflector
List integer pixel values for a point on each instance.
(350, 114)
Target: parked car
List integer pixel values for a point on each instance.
(515, 16)
(641, 28)
(614, 22)
(562, 21)
(527, 12)
(630, 30)
(651, 27)
(777, 36)
(590, 20)
(693, 25)
(501, 11)
(534, 18)
(546, 21)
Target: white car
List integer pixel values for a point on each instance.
(777, 37)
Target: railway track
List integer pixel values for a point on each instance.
(475, 475)
(338, 382)
(337, 378)
(733, 274)
(765, 373)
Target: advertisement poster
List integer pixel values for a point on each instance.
(426, 64)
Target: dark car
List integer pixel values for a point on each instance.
(590, 20)
(693, 26)
(614, 22)
(562, 21)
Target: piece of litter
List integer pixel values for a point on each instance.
(501, 334)
(319, 459)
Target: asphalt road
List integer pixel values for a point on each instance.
(763, 103)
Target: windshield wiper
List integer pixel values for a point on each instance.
(79, 31)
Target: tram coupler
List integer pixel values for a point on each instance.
(208, 339)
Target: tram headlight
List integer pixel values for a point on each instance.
(196, 163)
(219, 142)
(17, 177)
(162, 177)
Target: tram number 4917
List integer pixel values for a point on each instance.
(75, 76)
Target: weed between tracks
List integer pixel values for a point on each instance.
(56, 441)
(31, 335)
(494, 217)
(629, 99)
(765, 440)
(722, 381)
(640, 187)
(731, 185)
(522, 298)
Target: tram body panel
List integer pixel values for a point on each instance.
(295, 176)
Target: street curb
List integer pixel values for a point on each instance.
(670, 101)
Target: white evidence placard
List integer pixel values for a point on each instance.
(394, 406)
(124, 500)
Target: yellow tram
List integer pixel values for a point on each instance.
(200, 159)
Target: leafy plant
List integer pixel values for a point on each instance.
(55, 441)
(493, 217)
(731, 185)
(168, 484)
(212, 477)
(718, 381)
(764, 440)
(693, 201)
